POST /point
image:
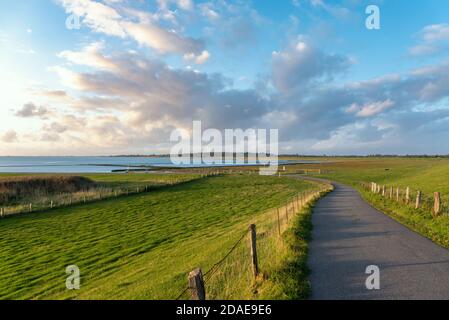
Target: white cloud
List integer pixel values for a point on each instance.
(435, 32)
(187, 5)
(433, 38)
(9, 137)
(29, 110)
(207, 10)
(370, 109)
(68, 77)
(302, 64)
(161, 40)
(198, 59)
(90, 56)
(97, 16)
(106, 19)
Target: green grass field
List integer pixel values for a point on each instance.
(139, 246)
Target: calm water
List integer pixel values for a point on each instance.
(81, 164)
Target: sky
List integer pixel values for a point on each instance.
(103, 77)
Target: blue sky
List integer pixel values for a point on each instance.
(135, 70)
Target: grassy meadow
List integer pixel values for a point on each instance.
(142, 246)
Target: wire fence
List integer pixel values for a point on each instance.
(233, 276)
(413, 198)
(53, 201)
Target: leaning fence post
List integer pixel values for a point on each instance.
(253, 244)
(436, 205)
(196, 285)
(418, 199)
(407, 195)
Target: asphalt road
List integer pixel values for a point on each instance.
(349, 235)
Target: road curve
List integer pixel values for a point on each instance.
(349, 235)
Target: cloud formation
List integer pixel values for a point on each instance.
(9, 137)
(127, 101)
(29, 110)
(301, 64)
(433, 38)
(147, 99)
(138, 25)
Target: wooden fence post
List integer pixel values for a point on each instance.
(1, 212)
(196, 285)
(391, 192)
(418, 199)
(436, 205)
(279, 222)
(51, 204)
(397, 194)
(407, 195)
(31, 207)
(253, 244)
(383, 191)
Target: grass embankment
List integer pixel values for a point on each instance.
(17, 188)
(44, 191)
(289, 279)
(425, 174)
(136, 247)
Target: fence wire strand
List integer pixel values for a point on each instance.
(295, 205)
(214, 268)
(426, 202)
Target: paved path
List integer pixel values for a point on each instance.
(349, 235)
